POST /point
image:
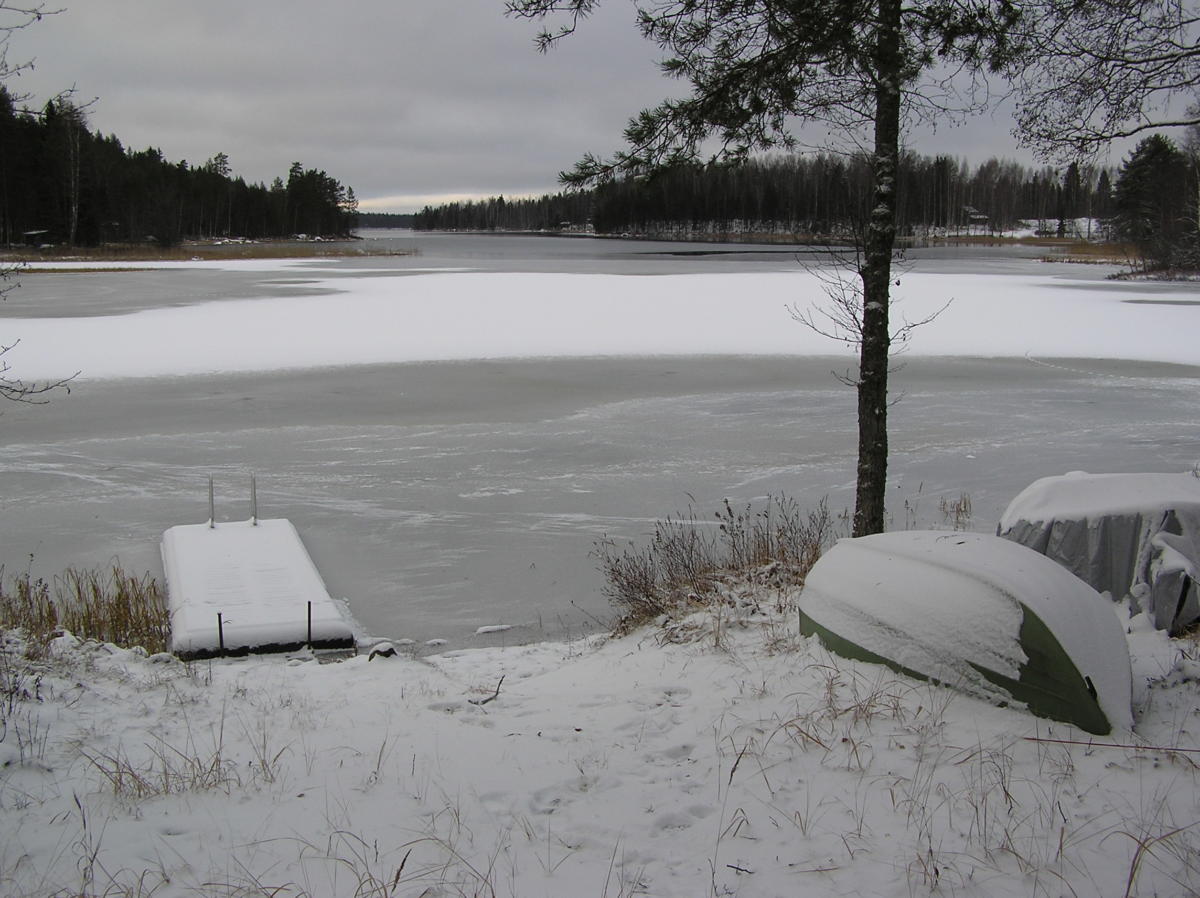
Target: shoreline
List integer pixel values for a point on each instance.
(224, 249)
(199, 251)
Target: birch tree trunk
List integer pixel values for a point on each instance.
(870, 495)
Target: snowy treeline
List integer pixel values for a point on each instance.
(62, 183)
(819, 194)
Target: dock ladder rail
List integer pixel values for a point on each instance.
(212, 510)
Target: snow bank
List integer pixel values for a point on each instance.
(609, 767)
(1130, 535)
(246, 585)
(953, 606)
(409, 317)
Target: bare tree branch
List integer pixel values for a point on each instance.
(840, 318)
(13, 18)
(16, 390)
(1105, 69)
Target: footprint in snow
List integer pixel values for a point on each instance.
(545, 801)
(682, 819)
(679, 752)
(673, 820)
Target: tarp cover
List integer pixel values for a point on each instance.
(978, 613)
(258, 577)
(1129, 535)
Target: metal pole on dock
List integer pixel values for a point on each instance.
(253, 502)
(212, 514)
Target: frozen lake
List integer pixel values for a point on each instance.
(441, 496)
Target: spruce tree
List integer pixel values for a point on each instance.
(1153, 204)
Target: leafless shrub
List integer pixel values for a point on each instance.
(27, 605)
(21, 724)
(689, 560)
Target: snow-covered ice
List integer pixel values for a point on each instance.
(375, 318)
(493, 628)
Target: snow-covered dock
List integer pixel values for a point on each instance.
(246, 586)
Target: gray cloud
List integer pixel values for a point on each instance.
(399, 99)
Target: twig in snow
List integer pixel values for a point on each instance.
(1091, 744)
(490, 698)
(738, 760)
(400, 869)
(594, 619)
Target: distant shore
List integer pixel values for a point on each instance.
(202, 250)
(335, 247)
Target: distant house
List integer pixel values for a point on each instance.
(973, 218)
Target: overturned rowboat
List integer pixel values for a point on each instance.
(977, 613)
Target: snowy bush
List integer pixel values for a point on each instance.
(688, 558)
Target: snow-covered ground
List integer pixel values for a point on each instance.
(732, 758)
(745, 761)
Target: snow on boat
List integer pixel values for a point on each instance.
(979, 613)
(1130, 535)
(246, 586)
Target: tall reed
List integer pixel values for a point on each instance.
(109, 605)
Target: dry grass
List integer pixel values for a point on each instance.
(169, 771)
(956, 512)
(1093, 252)
(26, 604)
(1072, 244)
(1066, 249)
(107, 605)
(689, 561)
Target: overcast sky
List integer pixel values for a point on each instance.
(406, 101)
